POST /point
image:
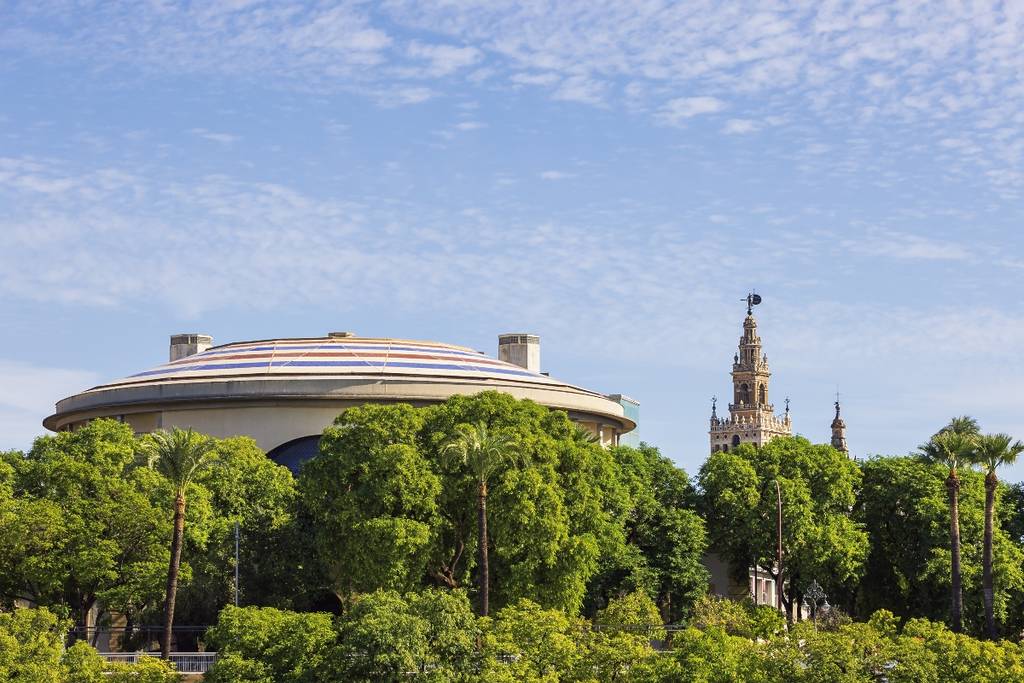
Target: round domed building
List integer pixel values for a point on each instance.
(284, 392)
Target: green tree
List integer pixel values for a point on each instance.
(992, 451)
(1011, 512)
(528, 643)
(32, 650)
(621, 637)
(387, 637)
(483, 452)
(737, 617)
(820, 539)
(557, 508)
(951, 447)
(372, 501)
(270, 645)
(707, 656)
(80, 523)
(179, 455)
(665, 537)
(246, 488)
(903, 505)
(31, 646)
(960, 659)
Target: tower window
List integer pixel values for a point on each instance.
(762, 394)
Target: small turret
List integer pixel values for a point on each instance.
(839, 432)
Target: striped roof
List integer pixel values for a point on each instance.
(333, 356)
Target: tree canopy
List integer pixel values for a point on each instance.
(818, 487)
(903, 507)
(568, 520)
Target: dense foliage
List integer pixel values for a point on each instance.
(569, 522)
(367, 566)
(85, 523)
(434, 636)
(903, 507)
(818, 487)
(32, 649)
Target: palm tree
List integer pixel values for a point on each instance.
(991, 451)
(179, 455)
(952, 446)
(483, 452)
(964, 424)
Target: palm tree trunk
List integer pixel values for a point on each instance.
(990, 505)
(172, 574)
(957, 596)
(485, 578)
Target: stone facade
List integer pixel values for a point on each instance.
(752, 417)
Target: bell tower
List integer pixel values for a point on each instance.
(839, 432)
(752, 418)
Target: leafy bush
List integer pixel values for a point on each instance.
(263, 643)
(32, 650)
(737, 617)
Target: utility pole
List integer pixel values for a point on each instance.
(778, 547)
(236, 563)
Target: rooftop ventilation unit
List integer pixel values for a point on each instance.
(520, 349)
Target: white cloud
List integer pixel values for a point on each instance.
(901, 245)
(581, 89)
(398, 97)
(676, 111)
(547, 78)
(740, 126)
(444, 59)
(221, 138)
(850, 66)
(556, 175)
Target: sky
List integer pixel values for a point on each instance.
(613, 176)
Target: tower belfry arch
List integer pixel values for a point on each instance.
(752, 417)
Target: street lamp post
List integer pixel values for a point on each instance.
(778, 548)
(815, 599)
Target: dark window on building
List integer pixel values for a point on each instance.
(295, 452)
(735, 440)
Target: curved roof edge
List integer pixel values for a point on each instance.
(342, 368)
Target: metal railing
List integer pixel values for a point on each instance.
(186, 662)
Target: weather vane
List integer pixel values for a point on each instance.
(752, 300)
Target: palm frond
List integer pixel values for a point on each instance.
(179, 454)
(950, 448)
(479, 449)
(995, 450)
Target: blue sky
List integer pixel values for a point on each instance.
(612, 176)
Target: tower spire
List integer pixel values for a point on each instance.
(839, 430)
(751, 417)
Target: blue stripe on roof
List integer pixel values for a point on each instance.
(334, 363)
(342, 347)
